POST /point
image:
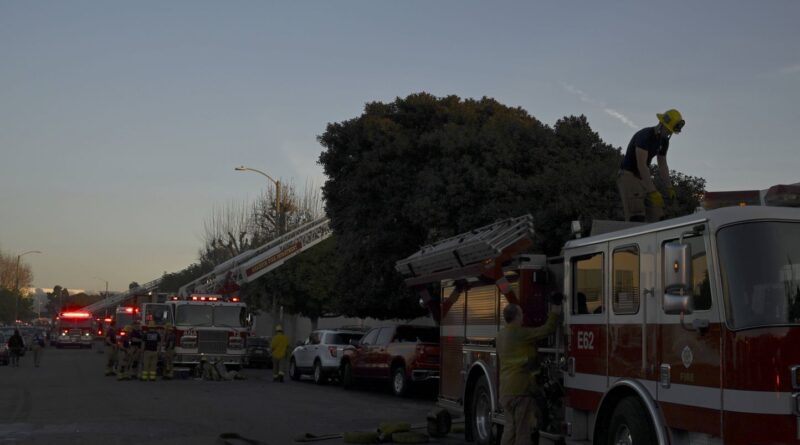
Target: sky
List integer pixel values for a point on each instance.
(121, 122)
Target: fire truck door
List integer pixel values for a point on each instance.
(689, 391)
(631, 281)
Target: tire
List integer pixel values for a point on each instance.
(630, 424)
(400, 383)
(348, 381)
(480, 414)
(318, 374)
(294, 373)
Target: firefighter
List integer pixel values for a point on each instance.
(169, 351)
(16, 347)
(151, 340)
(516, 349)
(135, 349)
(279, 346)
(641, 200)
(125, 356)
(112, 349)
(38, 349)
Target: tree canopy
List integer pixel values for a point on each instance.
(421, 168)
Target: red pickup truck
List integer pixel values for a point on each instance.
(403, 355)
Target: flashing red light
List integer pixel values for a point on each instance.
(128, 310)
(174, 298)
(194, 298)
(76, 315)
(108, 320)
(235, 299)
(99, 332)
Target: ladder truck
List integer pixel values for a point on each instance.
(682, 331)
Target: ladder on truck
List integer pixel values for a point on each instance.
(115, 300)
(252, 264)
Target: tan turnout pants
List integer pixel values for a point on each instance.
(149, 363)
(169, 359)
(635, 203)
(520, 417)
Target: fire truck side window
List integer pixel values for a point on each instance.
(701, 287)
(625, 293)
(587, 289)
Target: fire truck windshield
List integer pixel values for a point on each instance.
(194, 315)
(230, 316)
(760, 264)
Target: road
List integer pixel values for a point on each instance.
(69, 401)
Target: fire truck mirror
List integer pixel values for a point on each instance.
(675, 304)
(677, 268)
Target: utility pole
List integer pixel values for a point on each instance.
(16, 285)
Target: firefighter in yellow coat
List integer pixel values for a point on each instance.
(279, 347)
(516, 349)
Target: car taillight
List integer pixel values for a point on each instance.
(333, 351)
(99, 332)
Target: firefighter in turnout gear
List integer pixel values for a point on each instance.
(641, 200)
(517, 352)
(169, 351)
(125, 357)
(112, 350)
(151, 340)
(279, 346)
(135, 350)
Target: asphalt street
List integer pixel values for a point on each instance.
(69, 401)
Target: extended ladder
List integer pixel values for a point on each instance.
(114, 300)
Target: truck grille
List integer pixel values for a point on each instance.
(212, 342)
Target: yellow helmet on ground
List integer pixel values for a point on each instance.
(671, 120)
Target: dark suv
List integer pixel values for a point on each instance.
(402, 355)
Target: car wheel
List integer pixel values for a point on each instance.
(629, 424)
(294, 373)
(480, 416)
(399, 381)
(347, 376)
(319, 376)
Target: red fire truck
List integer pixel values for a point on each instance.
(678, 332)
(74, 328)
(207, 326)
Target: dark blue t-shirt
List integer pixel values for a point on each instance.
(647, 139)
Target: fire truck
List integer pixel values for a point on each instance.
(74, 328)
(683, 331)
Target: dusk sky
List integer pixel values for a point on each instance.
(121, 122)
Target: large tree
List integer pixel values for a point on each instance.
(421, 168)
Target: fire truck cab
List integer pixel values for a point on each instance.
(678, 332)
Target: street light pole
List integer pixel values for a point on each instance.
(106, 294)
(16, 284)
(278, 197)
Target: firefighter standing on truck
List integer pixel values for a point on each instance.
(112, 350)
(169, 351)
(279, 346)
(641, 200)
(151, 341)
(516, 350)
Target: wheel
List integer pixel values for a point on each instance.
(630, 424)
(319, 376)
(294, 373)
(399, 382)
(347, 376)
(480, 415)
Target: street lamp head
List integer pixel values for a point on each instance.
(240, 168)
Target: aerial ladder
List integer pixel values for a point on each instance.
(255, 263)
(115, 300)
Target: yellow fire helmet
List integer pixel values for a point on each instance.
(671, 120)
(127, 328)
(169, 326)
(278, 328)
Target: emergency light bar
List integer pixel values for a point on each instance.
(76, 315)
(474, 247)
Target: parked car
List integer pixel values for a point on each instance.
(402, 355)
(321, 354)
(5, 357)
(258, 352)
